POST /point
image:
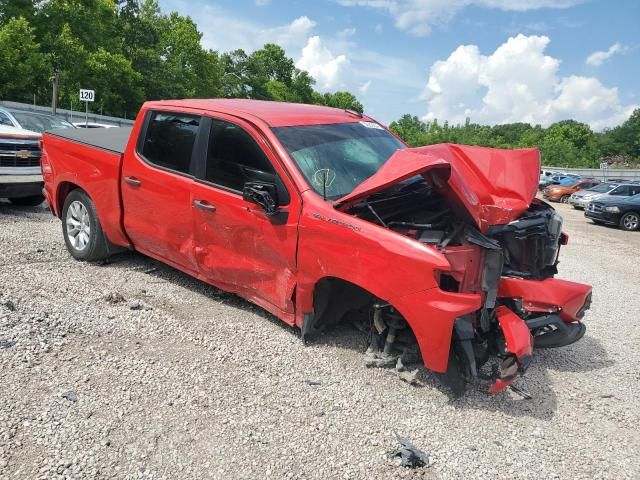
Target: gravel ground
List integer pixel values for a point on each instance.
(134, 370)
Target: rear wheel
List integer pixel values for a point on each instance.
(564, 199)
(81, 228)
(31, 201)
(630, 221)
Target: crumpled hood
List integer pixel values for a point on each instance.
(496, 186)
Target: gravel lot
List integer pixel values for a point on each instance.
(134, 370)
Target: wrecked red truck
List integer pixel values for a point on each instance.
(322, 216)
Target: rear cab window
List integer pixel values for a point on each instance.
(169, 140)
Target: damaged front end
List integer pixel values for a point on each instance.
(505, 252)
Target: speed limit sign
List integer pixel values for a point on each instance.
(87, 95)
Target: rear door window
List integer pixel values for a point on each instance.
(622, 190)
(169, 140)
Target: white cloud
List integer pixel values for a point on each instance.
(517, 83)
(346, 33)
(325, 67)
(224, 31)
(419, 16)
(364, 88)
(598, 58)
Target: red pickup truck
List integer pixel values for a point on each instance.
(322, 215)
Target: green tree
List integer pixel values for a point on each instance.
(344, 100)
(24, 70)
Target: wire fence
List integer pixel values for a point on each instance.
(601, 174)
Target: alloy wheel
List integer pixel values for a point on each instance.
(78, 225)
(630, 221)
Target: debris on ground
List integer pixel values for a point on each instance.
(409, 376)
(136, 305)
(70, 395)
(410, 456)
(378, 359)
(114, 298)
(4, 343)
(10, 305)
(312, 382)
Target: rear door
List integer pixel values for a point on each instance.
(157, 181)
(237, 246)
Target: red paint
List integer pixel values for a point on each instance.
(517, 337)
(239, 249)
(550, 295)
(496, 186)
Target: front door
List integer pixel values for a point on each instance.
(156, 187)
(238, 247)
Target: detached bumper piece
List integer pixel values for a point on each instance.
(519, 346)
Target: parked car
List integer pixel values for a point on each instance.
(621, 212)
(545, 176)
(582, 198)
(320, 215)
(561, 193)
(92, 125)
(20, 175)
(35, 122)
(558, 180)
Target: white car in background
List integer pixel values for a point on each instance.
(20, 175)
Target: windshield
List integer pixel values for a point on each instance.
(40, 123)
(602, 188)
(336, 158)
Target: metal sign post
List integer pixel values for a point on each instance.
(604, 166)
(87, 96)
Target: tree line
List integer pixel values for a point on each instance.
(130, 51)
(563, 144)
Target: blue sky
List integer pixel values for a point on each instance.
(494, 61)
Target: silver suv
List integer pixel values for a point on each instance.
(582, 198)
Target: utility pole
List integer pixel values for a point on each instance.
(54, 99)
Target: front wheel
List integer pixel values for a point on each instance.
(31, 201)
(630, 221)
(81, 228)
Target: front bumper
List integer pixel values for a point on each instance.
(579, 202)
(610, 218)
(17, 186)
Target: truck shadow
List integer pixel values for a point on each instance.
(586, 355)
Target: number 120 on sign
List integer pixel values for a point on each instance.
(87, 95)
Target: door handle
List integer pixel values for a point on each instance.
(204, 205)
(133, 181)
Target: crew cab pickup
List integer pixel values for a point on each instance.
(321, 216)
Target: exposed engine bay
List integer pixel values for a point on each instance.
(526, 248)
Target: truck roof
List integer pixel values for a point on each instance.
(275, 114)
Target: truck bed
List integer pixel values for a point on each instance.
(111, 139)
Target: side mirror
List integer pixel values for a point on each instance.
(264, 194)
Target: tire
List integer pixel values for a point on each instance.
(453, 379)
(32, 201)
(564, 199)
(79, 215)
(577, 207)
(630, 221)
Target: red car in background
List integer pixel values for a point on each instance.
(320, 215)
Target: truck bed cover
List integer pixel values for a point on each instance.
(112, 139)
